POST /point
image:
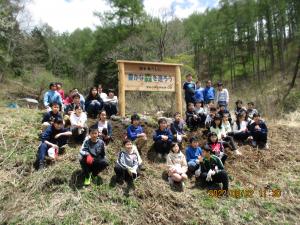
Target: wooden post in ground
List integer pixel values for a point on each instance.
(121, 89)
(178, 90)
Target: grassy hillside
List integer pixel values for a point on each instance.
(56, 195)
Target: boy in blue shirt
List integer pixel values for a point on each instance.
(193, 152)
(209, 93)
(199, 92)
(135, 133)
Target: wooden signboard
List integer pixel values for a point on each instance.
(149, 76)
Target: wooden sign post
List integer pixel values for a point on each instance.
(149, 76)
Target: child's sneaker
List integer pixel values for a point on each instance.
(266, 146)
(171, 181)
(87, 180)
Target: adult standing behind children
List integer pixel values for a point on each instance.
(222, 97)
(52, 96)
(209, 93)
(189, 88)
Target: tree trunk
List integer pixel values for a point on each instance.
(270, 38)
(294, 77)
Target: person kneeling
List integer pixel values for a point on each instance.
(212, 170)
(127, 166)
(92, 156)
(54, 137)
(177, 165)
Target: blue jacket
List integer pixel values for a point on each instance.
(192, 153)
(133, 131)
(209, 93)
(199, 94)
(158, 133)
(52, 96)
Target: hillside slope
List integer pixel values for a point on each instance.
(56, 195)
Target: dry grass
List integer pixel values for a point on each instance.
(56, 195)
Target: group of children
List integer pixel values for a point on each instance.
(206, 163)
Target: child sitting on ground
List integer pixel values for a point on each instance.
(192, 153)
(111, 103)
(239, 108)
(55, 137)
(127, 165)
(259, 132)
(78, 121)
(240, 128)
(70, 108)
(177, 129)
(162, 139)
(92, 156)
(104, 127)
(227, 125)
(93, 103)
(212, 169)
(251, 110)
(216, 146)
(219, 129)
(52, 96)
(177, 165)
(136, 134)
(222, 111)
(191, 117)
(50, 116)
(210, 117)
(200, 111)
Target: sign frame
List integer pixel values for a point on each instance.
(122, 83)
